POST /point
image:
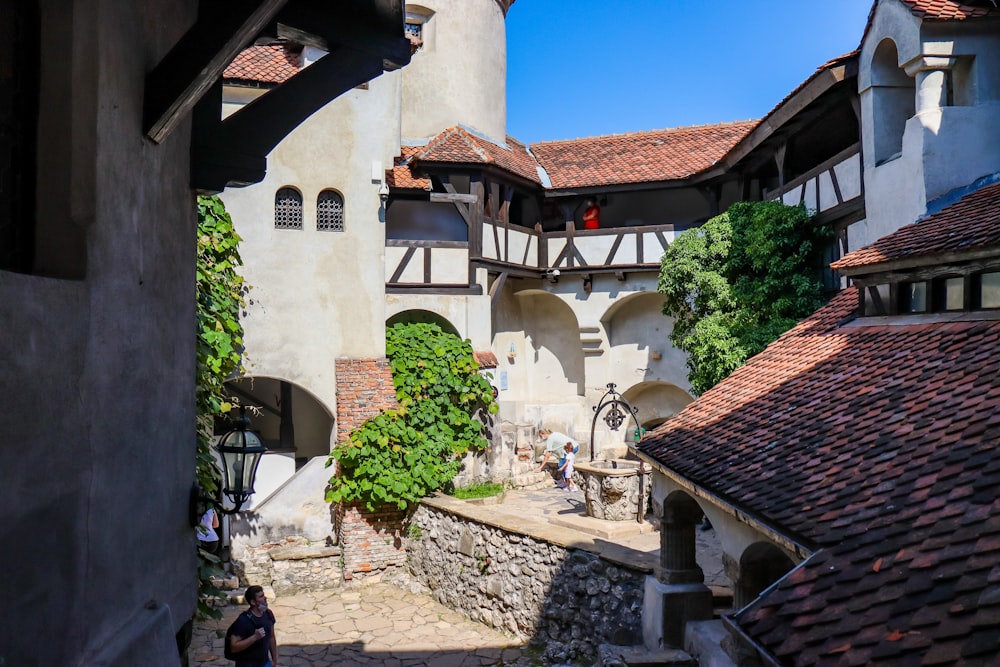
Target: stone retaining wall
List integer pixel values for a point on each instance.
(566, 595)
(292, 566)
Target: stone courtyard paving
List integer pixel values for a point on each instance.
(374, 624)
(392, 623)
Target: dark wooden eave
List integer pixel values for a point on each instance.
(789, 115)
(363, 38)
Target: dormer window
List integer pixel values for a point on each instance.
(989, 290)
(951, 293)
(913, 297)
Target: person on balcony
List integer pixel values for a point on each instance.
(592, 215)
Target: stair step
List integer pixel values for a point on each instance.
(609, 655)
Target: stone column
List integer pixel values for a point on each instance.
(679, 594)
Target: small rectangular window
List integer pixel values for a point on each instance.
(989, 290)
(954, 293)
(877, 300)
(913, 297)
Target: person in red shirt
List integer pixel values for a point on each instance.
(592, 215)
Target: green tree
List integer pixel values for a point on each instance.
(738, 282)
(402, 455)
(220, 298)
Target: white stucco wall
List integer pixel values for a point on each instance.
(470, 315)
(569, 344)
(317, 295)
(943, 148)
(459, 76)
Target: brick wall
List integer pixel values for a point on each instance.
(364, 387)
(371, 541)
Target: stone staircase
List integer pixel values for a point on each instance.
(609, 655)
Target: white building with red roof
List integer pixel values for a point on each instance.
(404, 199)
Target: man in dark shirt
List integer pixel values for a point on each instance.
(252, 636)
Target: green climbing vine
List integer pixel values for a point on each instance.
(402, 455)
(220, 294)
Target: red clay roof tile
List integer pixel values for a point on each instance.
(264, 64)
(882, 459)
(948, 10)
(638, 157)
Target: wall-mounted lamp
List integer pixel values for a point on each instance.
(383, 192)
(240, 451)
(552, 275)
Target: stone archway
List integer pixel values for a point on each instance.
(430, 317)
(656, 402)
(761, 565)
(292, 422)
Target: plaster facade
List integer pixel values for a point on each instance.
(941, 104)
(98, 358)
(459, 75)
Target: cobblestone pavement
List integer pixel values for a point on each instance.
(395, 624)
(375, 624)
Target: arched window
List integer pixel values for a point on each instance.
(893, 101)
(330, 211)
(288, 209)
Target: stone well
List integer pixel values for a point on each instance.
(615, 490)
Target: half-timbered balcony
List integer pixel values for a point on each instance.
(442, 265)
(832, 189)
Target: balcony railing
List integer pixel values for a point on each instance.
(831, 184)
(448, 265)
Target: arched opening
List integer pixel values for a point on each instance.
(656, 402)
(287, 208)
(293, 425)
(552, 348)
(425, 316)
(761, 565)
(639, 337)
(893, 101)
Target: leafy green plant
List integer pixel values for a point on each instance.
(480, 490)
(402, 455)
(414, 532)
(220, 298)
(738, 282)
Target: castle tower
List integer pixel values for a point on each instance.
(458, 74)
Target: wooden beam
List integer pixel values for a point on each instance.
(446, 289)
(252, 132)
(452, 197)
(407, 256)
(197, 61)
(372, 26)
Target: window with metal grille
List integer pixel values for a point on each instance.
(330, 212)
(288, 209)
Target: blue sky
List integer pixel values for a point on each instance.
(589, 67)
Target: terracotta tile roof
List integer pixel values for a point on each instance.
(458, 145)
(876, 447)
(638, 157)
(263, 64)
(949, 10)
(971, 223)
(405, 174)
